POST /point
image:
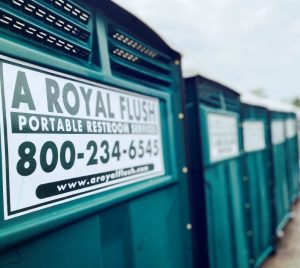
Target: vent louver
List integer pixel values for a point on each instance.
(232, 102)
(40, 22)
(133, 59)
(218, 96)
(209, 95)
(72, 9)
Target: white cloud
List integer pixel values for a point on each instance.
(245, 44)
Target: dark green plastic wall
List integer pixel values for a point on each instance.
(144, 224)
(257, 183)
(292, 158)
(279, 170)
(217, 187)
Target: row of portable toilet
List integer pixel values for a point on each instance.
(94, 133)
(244, 157)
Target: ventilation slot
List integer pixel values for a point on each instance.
(209, 95)
(137, 46)
(41, 13)
(133, 59)
(71, 9)
(38, 35)
(232, 102)
(123, 71)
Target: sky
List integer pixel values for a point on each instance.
(246, 45)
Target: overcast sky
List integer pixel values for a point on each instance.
(244, 44)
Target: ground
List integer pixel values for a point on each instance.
(288, 250)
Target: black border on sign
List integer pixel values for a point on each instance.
(5, 140)
(63, 76)
(10, 213)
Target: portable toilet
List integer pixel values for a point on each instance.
(277, 116)
(257, 180)
(218, 212)
(93, 163)
(292, 156)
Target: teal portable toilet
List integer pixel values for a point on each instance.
(279, 174)
(298, 129)
(292, 156)
(218, 209)
(93, 168)
(257, 179)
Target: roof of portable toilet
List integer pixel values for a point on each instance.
(200, 77)
(251, 99)
(273, 105)
(136, 25)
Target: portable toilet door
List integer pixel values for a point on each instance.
(292, 156)
(213, 116)
(279, 170)
(93, 157)
(257, 182)
(298, 128)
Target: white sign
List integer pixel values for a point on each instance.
(253, 136)
(290, 128)
(277, 129)
(223, 136)
(66, 138)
